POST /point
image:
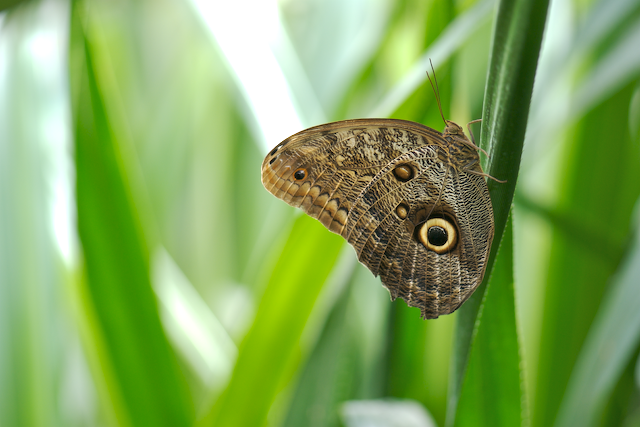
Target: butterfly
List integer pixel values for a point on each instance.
(413, 202)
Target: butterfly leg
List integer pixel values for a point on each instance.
(485, 175)
(473, 138)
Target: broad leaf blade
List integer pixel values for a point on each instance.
(299, 274)
(491, 393)
(516, 45)
(143, 381)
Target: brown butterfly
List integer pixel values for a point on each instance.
(413, 202)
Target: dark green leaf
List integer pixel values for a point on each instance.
(516, 45)
(491, 393)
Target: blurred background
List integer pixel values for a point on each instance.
(139, 251)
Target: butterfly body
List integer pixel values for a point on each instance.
(412, 202)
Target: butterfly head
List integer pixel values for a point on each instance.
(453, 129)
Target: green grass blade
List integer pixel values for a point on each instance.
(137, 364)
(608, 348)
(348, 360)
(516, 45)
(491, 393)
(300, 271)
(323, 385)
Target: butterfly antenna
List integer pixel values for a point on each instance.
(436, 90)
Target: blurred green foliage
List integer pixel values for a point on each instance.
(147, 278)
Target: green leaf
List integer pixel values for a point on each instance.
(516, 45)
(581, 264)
(491, 393)
(331, 373)
(608, 348)
(348, 361)
(269, 353)
(137, 365)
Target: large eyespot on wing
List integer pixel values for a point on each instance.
(458, 262)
